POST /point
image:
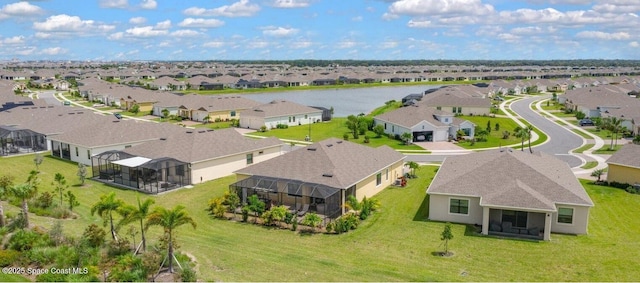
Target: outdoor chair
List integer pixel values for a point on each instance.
(304, 210)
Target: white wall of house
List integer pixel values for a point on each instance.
(580, 220)
(84, 153)
(220, 167)
(272, 122)
(439, 210)
(157, 110)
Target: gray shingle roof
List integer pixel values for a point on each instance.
(342, 163)
(628, 155)
(278, 108)
(410, 116)
(193, 146)
(506, 178)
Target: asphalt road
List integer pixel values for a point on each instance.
(561, 140)
(48, 96)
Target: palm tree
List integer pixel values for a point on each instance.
(523, 134)
(170, 220)
(615, 127)
(105, 208)
(140, 213)
(413, 166)
(206, 119)
(529, 130)
(24, 191)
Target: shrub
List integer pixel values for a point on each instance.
(366, 139)
(580, 115)
(282, 126)
(44, 201)
(263, 128)
(24, 240)
(118, 248)
(217, 120)
(51, 277)
(216, 207)
(8, 257)
(128, 268)
(94, 235)
(345, 137)
(42, 256)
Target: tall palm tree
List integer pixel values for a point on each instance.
(529, 130)
(170, 220)
(615, 126)
(25, 192)
(105, 207)
(140, 213)
(523, 134)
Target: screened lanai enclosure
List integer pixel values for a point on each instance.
(143, 174)
(14, 140)
(323, 200)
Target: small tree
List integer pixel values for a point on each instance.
(61, 186)
(105, 207)
(489, 126)
(169, 220)
(378, 130)
(446, 236)
(406, 137)
(25, 192)
(165, 113)
(497, 126)
(135, 109)
(82, 173)
(206, 119)
(413, 166)
(37, 160)
(72, 200)
(598, 174)
(256, 206)
(523, 134)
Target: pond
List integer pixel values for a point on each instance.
(345, 101)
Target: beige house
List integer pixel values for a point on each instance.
(624, 165)
(510, 193)
(185, 158)
(460, 99)
(321, 176)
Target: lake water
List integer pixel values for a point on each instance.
(345, 101)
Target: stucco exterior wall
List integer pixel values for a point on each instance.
(439, 210)
(368, 187)
(221, 167)
(623, 174)
(580, 221)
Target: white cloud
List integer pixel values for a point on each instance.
(201, 23)
(617, 6)
(20, 9)
(634, 44)
(13, 40)
(344, 44)
(419, 24)
(214, 44)
(239, 9)
(279, 31)
(163, 25)
(257, 44)
(357, 19)
(440, 7)
(137, 20)
(118, 4)
(603, 35)
(53, 51)
(291, 3)
(185, 33)
(65, 25)
(25, 51)
(389, 45)
(301, 44)
(148, 4)
(146, 31)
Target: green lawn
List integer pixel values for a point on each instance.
(606, 149)
(495, 137)
(580, 133)
(395, 244)
(603, 134)
(589, 165)
(334, 128)
(583, 148)
(552, 106)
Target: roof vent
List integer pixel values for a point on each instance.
(116, 121)
(338, 142)
(163, 139)
(189, 132)
(330, 145)
(202, 131)
(312, 148)
(327, 175)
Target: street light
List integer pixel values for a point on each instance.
(309, 136)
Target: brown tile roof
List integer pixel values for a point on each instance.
(628, 155)
(193, 145)
(508, 178)
(331, 162)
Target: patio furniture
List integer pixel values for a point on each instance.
(298, 208)
(304, 210)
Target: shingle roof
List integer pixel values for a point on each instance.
(342, 163)
(459, 96)
(193, 146)
(278, 108)
(628, 155)
(410, 116)
(507, 178)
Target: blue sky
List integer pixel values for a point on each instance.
(319, 29)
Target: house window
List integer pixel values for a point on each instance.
(305, 116)
(378, 179)
(385, 126)
(294, 118)
(250, 158)
(386, 174)
(232, 114)
(459, 206)
(77, 154)
(565, 215)
(88, 154)
(517, 218)
(289, 119)
(439, 108)
(180, 170)
(454, 110)
(459, 110)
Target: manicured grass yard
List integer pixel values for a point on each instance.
(395, 244)
(583, 148)
(589, 165)
(606, 149)
(335, 128)
(495, 137)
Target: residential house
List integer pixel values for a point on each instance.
(424, 123)
(463, 99)
(322, 176)
(510, 193)
(279, 112)
(595, 101)
(182, 158)
(624, 165)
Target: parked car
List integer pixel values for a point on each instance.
(586, 122)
